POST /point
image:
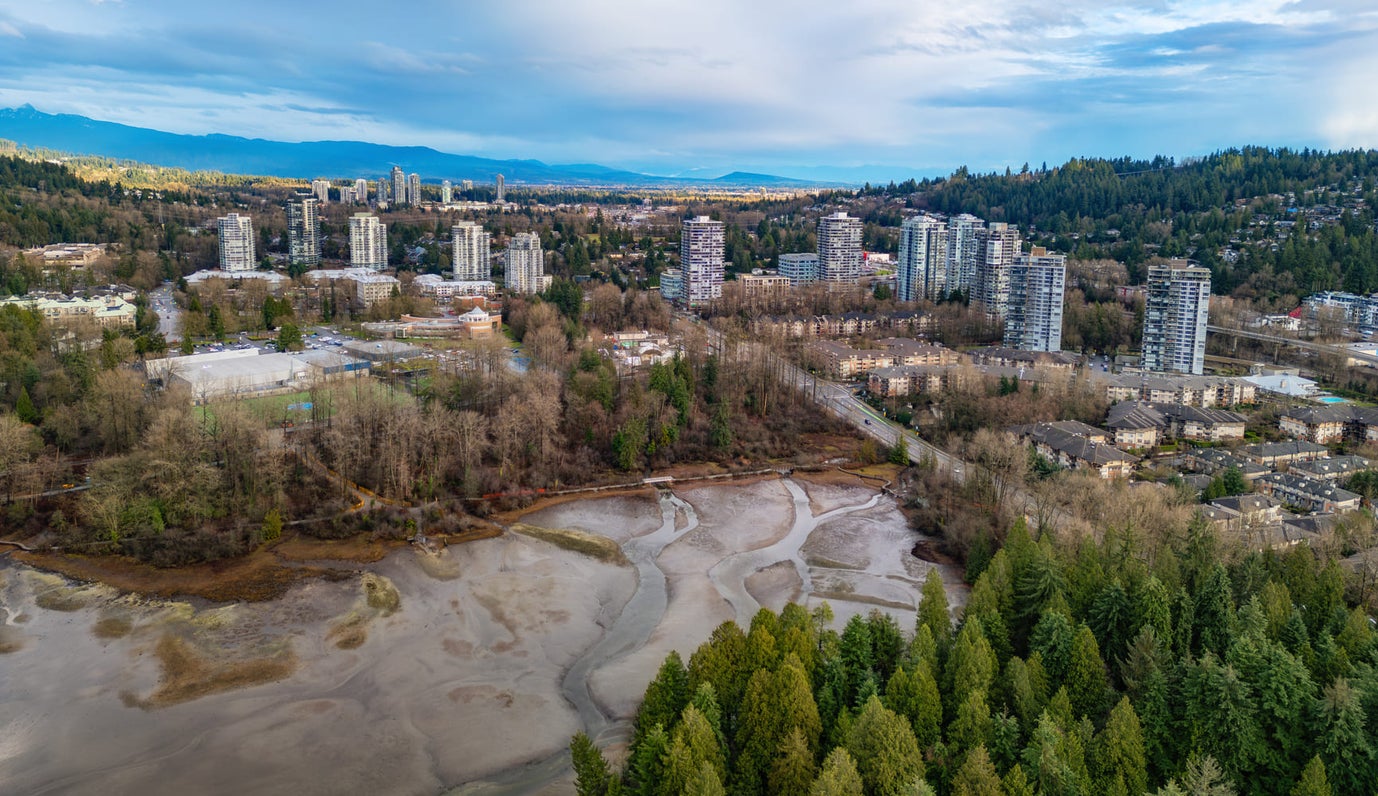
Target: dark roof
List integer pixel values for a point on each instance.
(1246, 504)
(1272, 450)
(1062, 439)
(1133, 415)
(1334, 413)
(1333, 467)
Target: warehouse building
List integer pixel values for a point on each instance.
(250, 373)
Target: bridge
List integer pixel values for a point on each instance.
(1319, 348)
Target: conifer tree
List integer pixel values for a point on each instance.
(977, 776)
(915, 697)
(793, 770)
(1120, 763)
(1313, 781)
(1346, 746)
(838, 776)
(591, 775)
(886, 754)
(665, 697)
(933, 608)
(1086, 686)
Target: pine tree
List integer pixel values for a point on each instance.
(971, 726)
(1313, 781)
(793, 770)
(1086, 685)
(701, 740)
(915, 697)
(933, 610)
(1222, 716)
(855, 651)
(1204, 777)
(24, 408)
(971, 665)
(1120, 763)
(1110, 619)
(591, 775)
(665, 697)
(1214, 619)
(718, 663)
(838, 777)
(1154, 608)
(887, 642)
(1345, 743)
(1016, 783)
(646, 766)
(977, 776)
(886, 754)
(704, 782)
(1052, 639)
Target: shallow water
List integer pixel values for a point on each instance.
(499, 651)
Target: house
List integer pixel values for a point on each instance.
(1250, 511)
(1075, 445)
(1309, 493)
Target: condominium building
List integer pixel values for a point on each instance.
(839, 249)
(399, 185)
(800, 267)
(236, 242)
(502, 189)
(383, 194)
(321, 188)
(1033, 319)
(447, 192)
(525, 264)
(471, 255)
(303, 230)
(1001, 245)
(1175, 313)
(368, 242)
(361, 191)
(466, 185)
(671, 285)
(923, 258)
(701, 246)
(964, 252)
(414, 189)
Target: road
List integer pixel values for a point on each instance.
(169, 314)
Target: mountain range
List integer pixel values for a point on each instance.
(230, 154)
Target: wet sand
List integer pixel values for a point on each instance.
(493, 655)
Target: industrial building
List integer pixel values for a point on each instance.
(251, 373)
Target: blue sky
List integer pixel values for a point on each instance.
(861, 89)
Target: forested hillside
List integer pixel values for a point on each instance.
(1127, 666)
(1298, 221)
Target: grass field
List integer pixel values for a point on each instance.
(273, 409)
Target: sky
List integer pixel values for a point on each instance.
(861, 89)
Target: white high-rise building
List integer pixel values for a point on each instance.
(502, 189)
(361, 191)
(399, 186)
(447, 192)
(672, 285)
(800, 267)
(964, 253)
(525, 264)
(1176, 310)
(839, 249)
(466, 185)
(236, 242)
(701, 246)
(321, 188)
(1001, 245)
(414, 189)
(303, 231)
(471, 255)
(1033, 320)
(922, 270)
(368, 242)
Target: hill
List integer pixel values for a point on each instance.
(338, 159)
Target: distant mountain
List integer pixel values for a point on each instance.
(337, 159)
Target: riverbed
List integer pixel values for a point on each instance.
(464, 672)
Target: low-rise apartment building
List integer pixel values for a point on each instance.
(109, 311)
(1077, 446)
(1327, 424)
(1309, 493)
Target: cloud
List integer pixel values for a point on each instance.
(659, 85)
